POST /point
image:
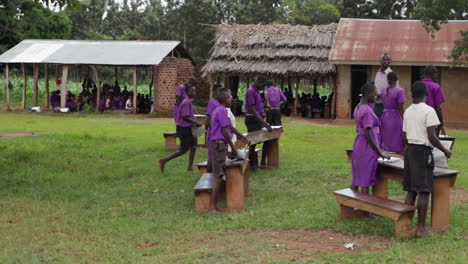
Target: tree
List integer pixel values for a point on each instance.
(435, 12)
(309, 12)
(380, 9)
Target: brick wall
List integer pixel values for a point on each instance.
(203, 85)
(169, 74)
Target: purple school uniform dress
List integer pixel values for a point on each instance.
(185, 109)
(364, 158)
(275, 96)
(212, 105)
(252, 97)
(391, 123)
(435, 96)
(180, 92)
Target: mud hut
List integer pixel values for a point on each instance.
(293, 55)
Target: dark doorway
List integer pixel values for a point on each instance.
(416, 73)
(358, 79)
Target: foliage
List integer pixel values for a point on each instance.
(381, 9)
(86, 189)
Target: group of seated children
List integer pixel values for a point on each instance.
(315, 103)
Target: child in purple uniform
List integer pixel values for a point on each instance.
(435, 96)
(180, 95)
(212, 105)
(221, 132)
(274, 97)
(391, 121)
(366, 149)
(185, 122)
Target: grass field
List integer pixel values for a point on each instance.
(86, 189)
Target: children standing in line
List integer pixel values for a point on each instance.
(391, 122)
(185, 122)
(221, 132)
(435, 96)
(274, 97)
(419, 125)
(366, 149)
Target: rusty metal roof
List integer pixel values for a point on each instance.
(363, 41)
(89, 52)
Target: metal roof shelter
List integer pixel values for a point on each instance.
(91, 52)
(86, 52)
(360, 41)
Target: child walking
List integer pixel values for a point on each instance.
(366, 149)
(212, 105)
(221, 132)
(185, 121)
(420, 122)
(391, 121)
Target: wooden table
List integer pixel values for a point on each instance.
(444, 179)
(270, 142)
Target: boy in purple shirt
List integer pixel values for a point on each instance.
(274, 97)
(212, 105)
(181, 95)
(221, 132)
(185, 122)
(254, 114)
(435, 97)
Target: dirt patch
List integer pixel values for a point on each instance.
(147, 245)
(265, 245)
(323, 122)
(16, 134)
(458, 196)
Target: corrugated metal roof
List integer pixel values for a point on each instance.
(89, 52)
(362, 41)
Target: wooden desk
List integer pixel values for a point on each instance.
(270, 142)
(444, 179)
(201, 119)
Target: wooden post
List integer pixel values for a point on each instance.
(7, 81)
(47, 86)
(25, 86)
(63, 90)
(315, 85)
(152, 81)
(98, 86)
(282, 84)
(116, 72)
(211, 83)
(35, 87)
(56, 72)
(296, 99)
(135, 90)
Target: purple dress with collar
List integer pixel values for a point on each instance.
(364, 157)
(391, 123)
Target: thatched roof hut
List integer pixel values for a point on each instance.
(274, 50)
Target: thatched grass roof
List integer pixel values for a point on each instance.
(275, 50)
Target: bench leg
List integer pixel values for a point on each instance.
(347, 212)
(403, 226)
(273, 160)
(440, 215)
(202, 201)
(246, 182)
(381, 188)
(171, 143)
(235, 199)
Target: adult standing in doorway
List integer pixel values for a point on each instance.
(381, 82)
(254, 113)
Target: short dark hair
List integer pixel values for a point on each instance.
(261, 80)
(418, 90)
(223, 94)
(392, 76)
(188, 88)
(430, 71)
(192, 81)
(386, 55)
(269, 83)
(367, 88)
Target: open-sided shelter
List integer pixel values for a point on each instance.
(359, 44)
(285, 53)
(171, 62)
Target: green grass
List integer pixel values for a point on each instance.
(87, 190)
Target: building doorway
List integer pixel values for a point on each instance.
(358, 79)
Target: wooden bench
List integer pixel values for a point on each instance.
(237, 183)
(202, 192)
(171, 140)
(401, 213)
(270, 142)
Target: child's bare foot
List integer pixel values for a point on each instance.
(161, 165)
(423, 232)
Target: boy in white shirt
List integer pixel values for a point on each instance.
(419, 124)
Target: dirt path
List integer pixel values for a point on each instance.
(16, 134)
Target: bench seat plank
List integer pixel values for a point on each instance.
(204, 183)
